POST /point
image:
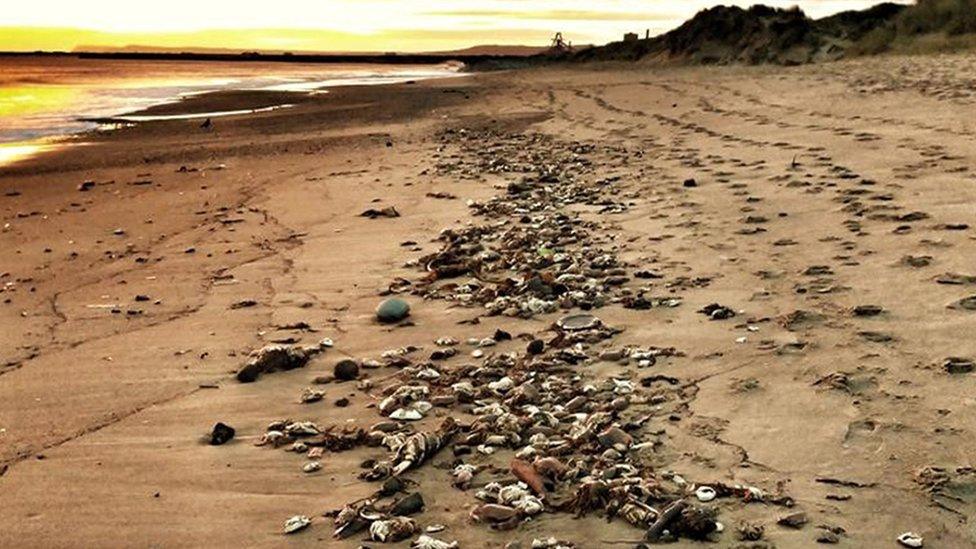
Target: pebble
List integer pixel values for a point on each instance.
(346, 370)
(221, 434)
(392, 310)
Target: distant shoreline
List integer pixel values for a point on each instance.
(385, 59)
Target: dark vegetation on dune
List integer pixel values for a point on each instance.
(927, 26)
(761, 34)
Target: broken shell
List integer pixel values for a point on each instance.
(911, 539)
(392, 530)
(427, 542)
(406, 414)
(705, 494)
(296, 523)
(310, 395)
(572, 323)
(492, 512)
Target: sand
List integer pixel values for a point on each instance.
(106, 399)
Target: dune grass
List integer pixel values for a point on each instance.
(928, 26)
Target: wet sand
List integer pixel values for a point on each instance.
(810, 189)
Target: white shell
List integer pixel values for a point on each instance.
(911, 539)
(296, 523)
(705, 494)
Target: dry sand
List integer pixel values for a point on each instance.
(103, 411)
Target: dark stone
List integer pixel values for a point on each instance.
(690, 183)
(409, 505)
(868, 310)
(956, 365)
(502, 335)
(346, 370)
(221, 434)
(535, 347)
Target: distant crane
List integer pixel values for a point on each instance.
(559, 45)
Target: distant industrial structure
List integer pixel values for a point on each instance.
(632, 37)
(559, 45)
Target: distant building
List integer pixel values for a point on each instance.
(631, 37)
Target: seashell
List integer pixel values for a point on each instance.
(407, 414)
(312, 467)
(527, 473)
(572, 323)
(910, 539)
(530, 506)
(427, 542)
(302, 429)
(463, 475)
(705, 494)
(501, 386)
(296, 524)
(274, 438)
(512, 493)
(392, 530)
(310, 395)
(492, 512)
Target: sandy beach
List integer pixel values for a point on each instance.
(828, 206)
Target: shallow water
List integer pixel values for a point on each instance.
(46, 98)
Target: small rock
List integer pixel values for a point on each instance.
(868, 310)
(221, 434)
(392, 310)
(794, 520)
(346, 370)
(535, 347)
(956, 365)
(826, 536)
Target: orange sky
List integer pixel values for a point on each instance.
(345, 25)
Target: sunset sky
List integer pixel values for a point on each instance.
(346, 25)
